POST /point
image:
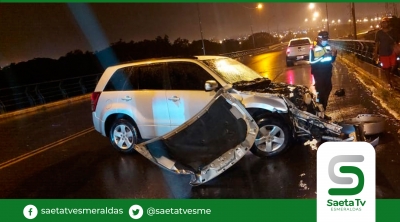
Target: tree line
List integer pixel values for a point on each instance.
(78, 63)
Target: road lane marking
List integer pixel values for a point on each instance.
(44, 148)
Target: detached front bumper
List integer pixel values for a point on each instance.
(206, 145)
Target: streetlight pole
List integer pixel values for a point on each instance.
(353, 13)
(252, 33)
(327, 20)
(259, 6)
(201, 31)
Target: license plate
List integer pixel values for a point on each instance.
(300, 57)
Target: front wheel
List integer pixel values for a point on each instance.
(123, 136)
(273, 137)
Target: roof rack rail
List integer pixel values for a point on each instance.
(158, 58)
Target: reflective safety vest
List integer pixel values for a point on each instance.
(318, 55)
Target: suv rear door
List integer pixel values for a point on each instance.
(145, 93)
(186, 96)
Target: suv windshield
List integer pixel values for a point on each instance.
(231, 71)
(299, 42)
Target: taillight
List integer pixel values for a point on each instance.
(287, 51)
(95, 97)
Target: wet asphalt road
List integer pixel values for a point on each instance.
(57, 154)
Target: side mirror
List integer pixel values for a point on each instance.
(210, 85)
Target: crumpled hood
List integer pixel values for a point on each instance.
(298, 94)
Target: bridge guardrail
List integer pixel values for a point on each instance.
(251, 51)
(362, 49)
(360, 53)
(22, 97)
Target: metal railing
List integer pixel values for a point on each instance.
(362, 49)
(261, 50)
(360, 53)
(26, 96)
(22, 97)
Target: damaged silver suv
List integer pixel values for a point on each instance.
(150, 98)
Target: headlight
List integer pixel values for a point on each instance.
(307, 98)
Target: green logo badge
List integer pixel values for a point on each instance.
(346, 180)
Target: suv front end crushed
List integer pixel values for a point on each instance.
(307, 117)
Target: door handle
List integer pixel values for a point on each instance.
(174, 98)
(127, 98)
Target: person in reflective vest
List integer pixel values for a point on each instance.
(322, 55)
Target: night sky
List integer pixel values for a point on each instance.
(46, 30)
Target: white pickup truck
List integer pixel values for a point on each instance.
(298, 49)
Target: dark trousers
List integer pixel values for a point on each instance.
(323, 85)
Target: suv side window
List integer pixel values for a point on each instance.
(117, 80)
(146, 77)
(187, 76)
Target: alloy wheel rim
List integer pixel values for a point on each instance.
(123, 136)
(270, 138)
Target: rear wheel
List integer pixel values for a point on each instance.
(273, 137)
(289, 63)
(123, 136)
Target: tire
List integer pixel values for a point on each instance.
(289, 63)
(123, 136)
(273, 138)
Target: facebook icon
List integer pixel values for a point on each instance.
(30, 211)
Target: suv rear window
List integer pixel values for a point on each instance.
(299, 42)
(137, 78)
(117, 80)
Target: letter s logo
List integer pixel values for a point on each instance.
(346, 180)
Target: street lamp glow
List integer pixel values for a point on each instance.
(338, 20)
(349, 20)
(259, 6)
(316, 14)
(306, 20)
(313, 19)
(333, 21)
(311, 6)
